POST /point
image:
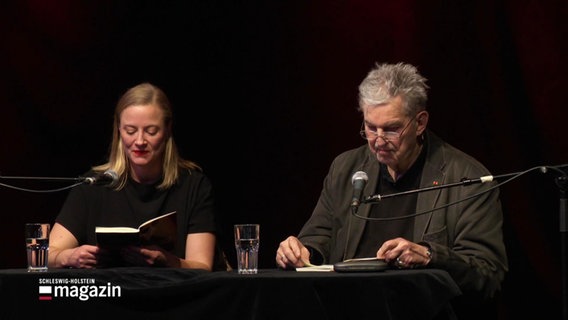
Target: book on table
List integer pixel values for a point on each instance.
(161, 231)
(371, 264)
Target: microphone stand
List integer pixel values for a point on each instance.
(42, 178)
(463, 182)
(562, 183)
(77, 181)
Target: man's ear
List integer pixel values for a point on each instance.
(422, 120)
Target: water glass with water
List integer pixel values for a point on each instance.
(37, 245)
(247, 243)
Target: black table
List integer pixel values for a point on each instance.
(164, 293)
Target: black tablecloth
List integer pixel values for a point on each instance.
(164, 293)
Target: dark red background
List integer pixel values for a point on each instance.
(265, 97)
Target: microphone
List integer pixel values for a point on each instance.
(358, 180)
(109, 177)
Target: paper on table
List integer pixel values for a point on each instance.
(314, 268)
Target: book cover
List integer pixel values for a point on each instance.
(371, 264)
(349, 265)
(161, 231)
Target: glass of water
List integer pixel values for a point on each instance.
(247, 243)
(37, 245)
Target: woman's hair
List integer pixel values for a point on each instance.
(145, 94)
(387, 81)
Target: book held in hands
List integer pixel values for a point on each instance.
(160, 231)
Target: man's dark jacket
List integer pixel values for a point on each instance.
(466, 238)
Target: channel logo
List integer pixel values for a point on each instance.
(64, 288)
(45, 293)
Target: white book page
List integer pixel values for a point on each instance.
(115, 230)
(129, 229)
(156, 218)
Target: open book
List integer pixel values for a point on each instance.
(161, 231)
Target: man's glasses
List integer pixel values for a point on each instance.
(387, 136)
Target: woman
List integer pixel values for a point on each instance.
(152, 180)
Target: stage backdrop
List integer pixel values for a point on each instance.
(265, 96)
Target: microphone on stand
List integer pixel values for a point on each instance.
(109, 177)
(359, 180)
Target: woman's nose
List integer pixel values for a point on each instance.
(140, 139)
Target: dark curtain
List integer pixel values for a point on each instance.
(264, 95)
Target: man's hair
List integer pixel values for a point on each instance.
(386, 81)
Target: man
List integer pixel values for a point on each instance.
(465, 238)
